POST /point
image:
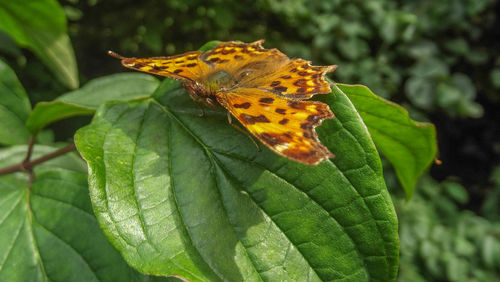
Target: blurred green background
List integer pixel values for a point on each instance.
(439, 59)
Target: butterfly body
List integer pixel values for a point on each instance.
(262, 88)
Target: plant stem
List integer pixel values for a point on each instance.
(30, 148)
(26, 165)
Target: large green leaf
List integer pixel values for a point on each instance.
(14, 108)
(41, 27)
(179, 194)
(409, 145)
(49, 232)
(87, 99)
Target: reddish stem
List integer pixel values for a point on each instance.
(26, 165)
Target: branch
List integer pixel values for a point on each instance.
(27, 164)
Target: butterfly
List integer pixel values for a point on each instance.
(262, 88)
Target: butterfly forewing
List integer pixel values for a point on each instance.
(246, 62)
(184, 67)
(297, 79)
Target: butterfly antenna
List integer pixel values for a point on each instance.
(113, 54)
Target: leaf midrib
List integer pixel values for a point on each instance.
(169, 140)
(210, 156)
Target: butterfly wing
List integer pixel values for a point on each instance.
(285, 126)
(236, 56)
(245, 61)
(185, 67)
(269, 69)
(297, 79)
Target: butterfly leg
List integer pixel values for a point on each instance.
(202, 110)
(230, 120)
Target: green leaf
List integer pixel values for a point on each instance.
(14, 108)
(178, 194)
(49, 232)
(495, 77)
(456, 191)
(87, 99)
(410, 146)
(209, 45)
(420, 91)
(41, 27)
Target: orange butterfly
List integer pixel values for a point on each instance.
(262, 88)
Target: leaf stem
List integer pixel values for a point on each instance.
(26, 165)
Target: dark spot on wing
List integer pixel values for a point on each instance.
(275, 83)
(177, 71)
(156, 68)
(280, 88)
(191, 65)
(297, 105)
(270, 139)
(280, 111)
(306, 125)
(300, 82)
(266, 100)
(245, 105)
(286, 76)
(313, 118)
(249, 119)
(283, 121)
(225, 52)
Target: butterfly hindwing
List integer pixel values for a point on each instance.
(285, 126)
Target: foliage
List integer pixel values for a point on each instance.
(14, 108)
(87, 99)
(439, 242)
(313, 238)
(436, 57)
(48, 230)
(410, 146)
(41, 27)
